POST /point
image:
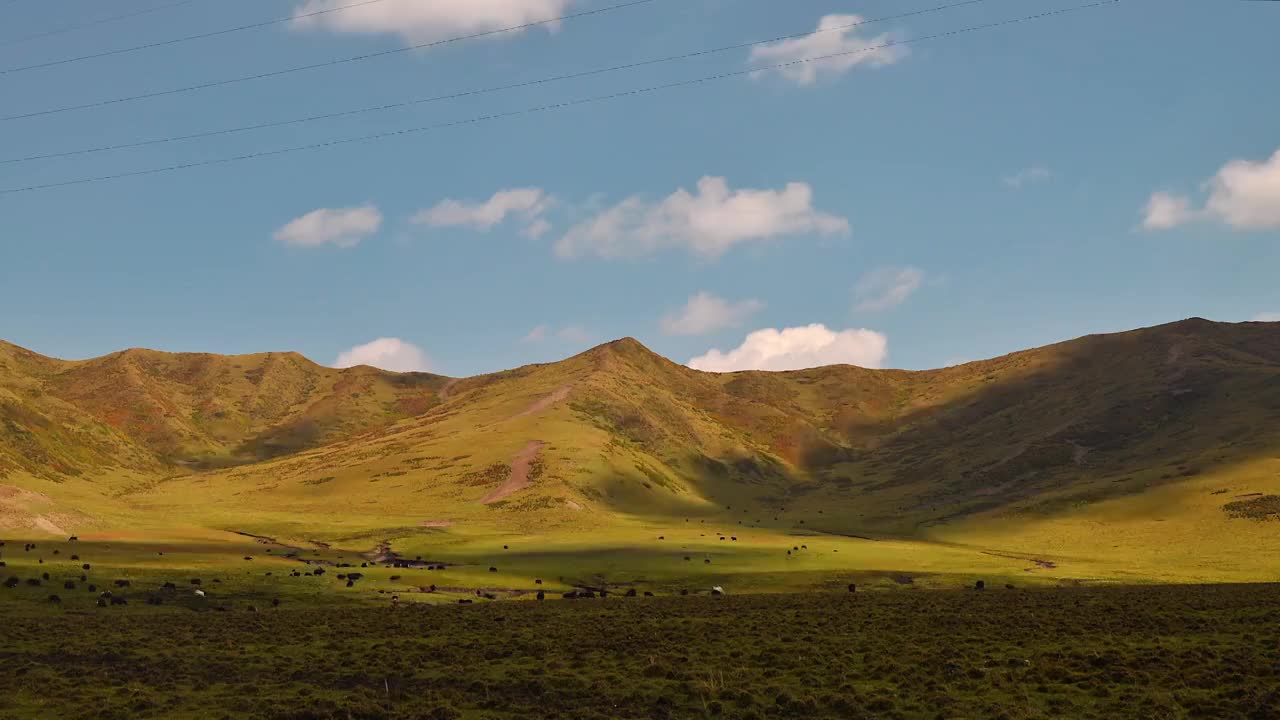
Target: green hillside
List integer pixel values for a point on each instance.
(1149, 455)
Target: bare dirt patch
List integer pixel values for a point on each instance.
(519, 477)
(47, 525)
(436, 523)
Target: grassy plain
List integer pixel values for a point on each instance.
(1157, 652)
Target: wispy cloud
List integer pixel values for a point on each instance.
(343, 227)
(1028, 176)
(707, 222)
(705, 313)
(837, 35)
(886, 287)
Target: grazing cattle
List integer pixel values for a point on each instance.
(493, 569)
(92, 588)
(195, 581)
(395, 577)
(355, 576)
(341, 576)
(3, 563)
(268, 574)
(44, 576)
(687, 558)
(73, 538)
(1008, 586)
(119, 601)
(75, 557)
(504, 547)
(121, 583)
(735, 539)
(106, 594)
(490, 596)
(12, 582)
(246, 557)
(722, 539)
(431, 588)
(541, 595)
(980, 585)
(170, 586)
(586, 594)
(55, 599)
(85, 566)
(319, 571)
(717, 591)
(351, 583)
(788, 552)
(853, 587)
(662, 537)
(804, 547)
(537, 581)
(648, 594)
(275, 602)
(684, 592)
(464, 601)
(102, 602)
(216, 581)
(154, 600)
(795, 548)
(57, 552)
(707, 560)
(253, 608)
(571, 595)
(364, 564)
(199, 593)
(631, 592)
(69, 585)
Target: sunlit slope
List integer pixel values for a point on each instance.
(140, 409)
(1091, 451)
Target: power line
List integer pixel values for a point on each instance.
(187, 38)
(482, 91)
(548, 107)
(328, 63)
(95, 23)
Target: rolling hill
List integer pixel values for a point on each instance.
(1116, 450)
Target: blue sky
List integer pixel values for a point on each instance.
(908, 206)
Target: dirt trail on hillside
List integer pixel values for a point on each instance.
(519, 477)
(556, 396)
(444, 391)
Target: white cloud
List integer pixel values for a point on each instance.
(1029, 176)
(528, 203)
(1267, 317)
(344, 227)
(536, 229)
(537, 334)
(1165, 211)
(420, 21)
(386, 353)
(707, 223)
(798, 348)
(569, 333)
(705, 313)
(886, 288)
(1243, 195)
(1246, 195)
(836, 35)
(573, 333)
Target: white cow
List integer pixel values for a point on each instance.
(199, 593)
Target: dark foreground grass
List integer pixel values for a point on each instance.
(1155, 652)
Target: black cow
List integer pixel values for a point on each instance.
(980, 585)
(69, 585)
(12, 582)
(631, 592)
(648, 594)
(541, 595)
(55, 599)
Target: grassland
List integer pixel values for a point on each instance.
(1156, 652)
(1131, 458)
